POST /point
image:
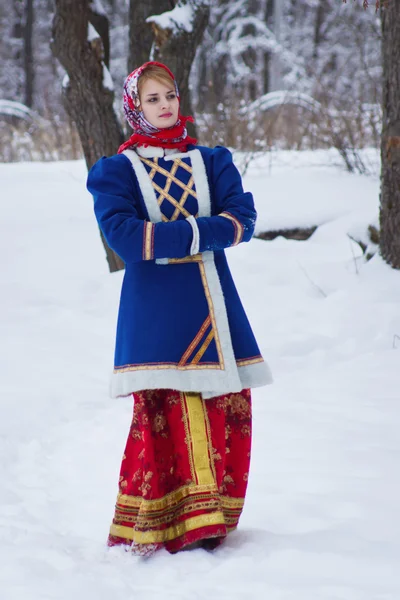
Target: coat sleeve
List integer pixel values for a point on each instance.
(236, 215)
(132, 238)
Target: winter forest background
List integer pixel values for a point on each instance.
(306, 94)
(324, 57)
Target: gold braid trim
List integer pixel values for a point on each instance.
(175, 531)
(239, 229)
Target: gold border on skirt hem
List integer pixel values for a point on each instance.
(166, 501)
(173, 532)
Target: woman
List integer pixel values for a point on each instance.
(184, 346)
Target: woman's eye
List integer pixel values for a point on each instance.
(172, 96)
(153, 100)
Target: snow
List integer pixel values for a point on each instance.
(279, 97)
(97, 7)
(65, 82)
(92, 33)
(327, 193)
(179, 18)
(321, 520)
(107, 79)
(16, 109)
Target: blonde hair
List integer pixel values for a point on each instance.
(157, 73)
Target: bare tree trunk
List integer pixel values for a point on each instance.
(87, 97)
(140, 33)
(390, 142)
(276, 67)
(102, 26)
(177, 48)
(268, 16)
(218, 91)
(17, 45)
(320, 15)
(28, 53)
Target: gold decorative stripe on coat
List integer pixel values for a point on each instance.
(163, 195)
(148, 241)
(212, 314)
(170, 178)
(164, 366)
(167, 185)
(170, 533)
(188, 190)
(184, 165)
(196, 340)
(155, 168)
(177, 163)
(203, 348)
(239, 229)
(199, 441)
(187, 259)
(243, 362)
(197, 258)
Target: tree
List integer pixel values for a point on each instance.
(28, 53)
(177, 34)
(87, 89)
(234, 60)
(389, 238)
(140, 32)
(390, 141)
(81, 44)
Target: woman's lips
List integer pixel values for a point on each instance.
(166, 115)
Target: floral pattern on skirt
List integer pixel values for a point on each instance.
(184, 472)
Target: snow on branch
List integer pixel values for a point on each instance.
(97, 45)
(238, 32)
(92, 33)
(180, 18)
(107, 79)
(16, 109)
(334, 118)
(282, 97)
(97, 7)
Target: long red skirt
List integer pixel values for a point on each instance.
(184, 472)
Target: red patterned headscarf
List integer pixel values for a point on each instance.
(144, 133)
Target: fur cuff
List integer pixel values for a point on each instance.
(194, 248)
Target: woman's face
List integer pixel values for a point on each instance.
(159, 103)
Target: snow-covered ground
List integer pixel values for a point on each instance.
(322, 519)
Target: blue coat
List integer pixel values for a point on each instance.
(169, 216)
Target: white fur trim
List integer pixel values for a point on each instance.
(194, 248)
(201, 183)
(251, 376)
(232, 380)
(174, 155)
(210, 382)
(167, 153)
(149, 151)
(149, 195)
(146, 187)
(255, 375)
